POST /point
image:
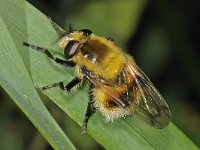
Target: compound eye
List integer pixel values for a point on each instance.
(71, 49)
(86, 32)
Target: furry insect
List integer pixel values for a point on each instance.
(118, 87)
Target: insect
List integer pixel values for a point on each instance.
(118, 87)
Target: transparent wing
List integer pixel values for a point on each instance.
(149, 105)
(134, 92)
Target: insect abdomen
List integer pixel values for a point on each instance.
(108, 106)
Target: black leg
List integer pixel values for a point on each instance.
(46, 51)
(90, 110)
(75, 82)
(60, 84)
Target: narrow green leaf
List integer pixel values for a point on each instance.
(128, 133)
(15, 79)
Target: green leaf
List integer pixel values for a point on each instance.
(128, 133)
(15, 79)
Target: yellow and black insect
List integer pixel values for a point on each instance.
(118, 87)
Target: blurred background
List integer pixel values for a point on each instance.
(163, 38)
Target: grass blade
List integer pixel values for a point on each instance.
(15, 79)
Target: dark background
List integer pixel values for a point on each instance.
(163, 38)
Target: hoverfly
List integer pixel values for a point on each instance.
(118, 87)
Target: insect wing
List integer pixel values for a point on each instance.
(139, 96)
(151, 106)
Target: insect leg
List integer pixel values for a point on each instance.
(60, 84)
(75, 82)
(46, 51)
(90, 110)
